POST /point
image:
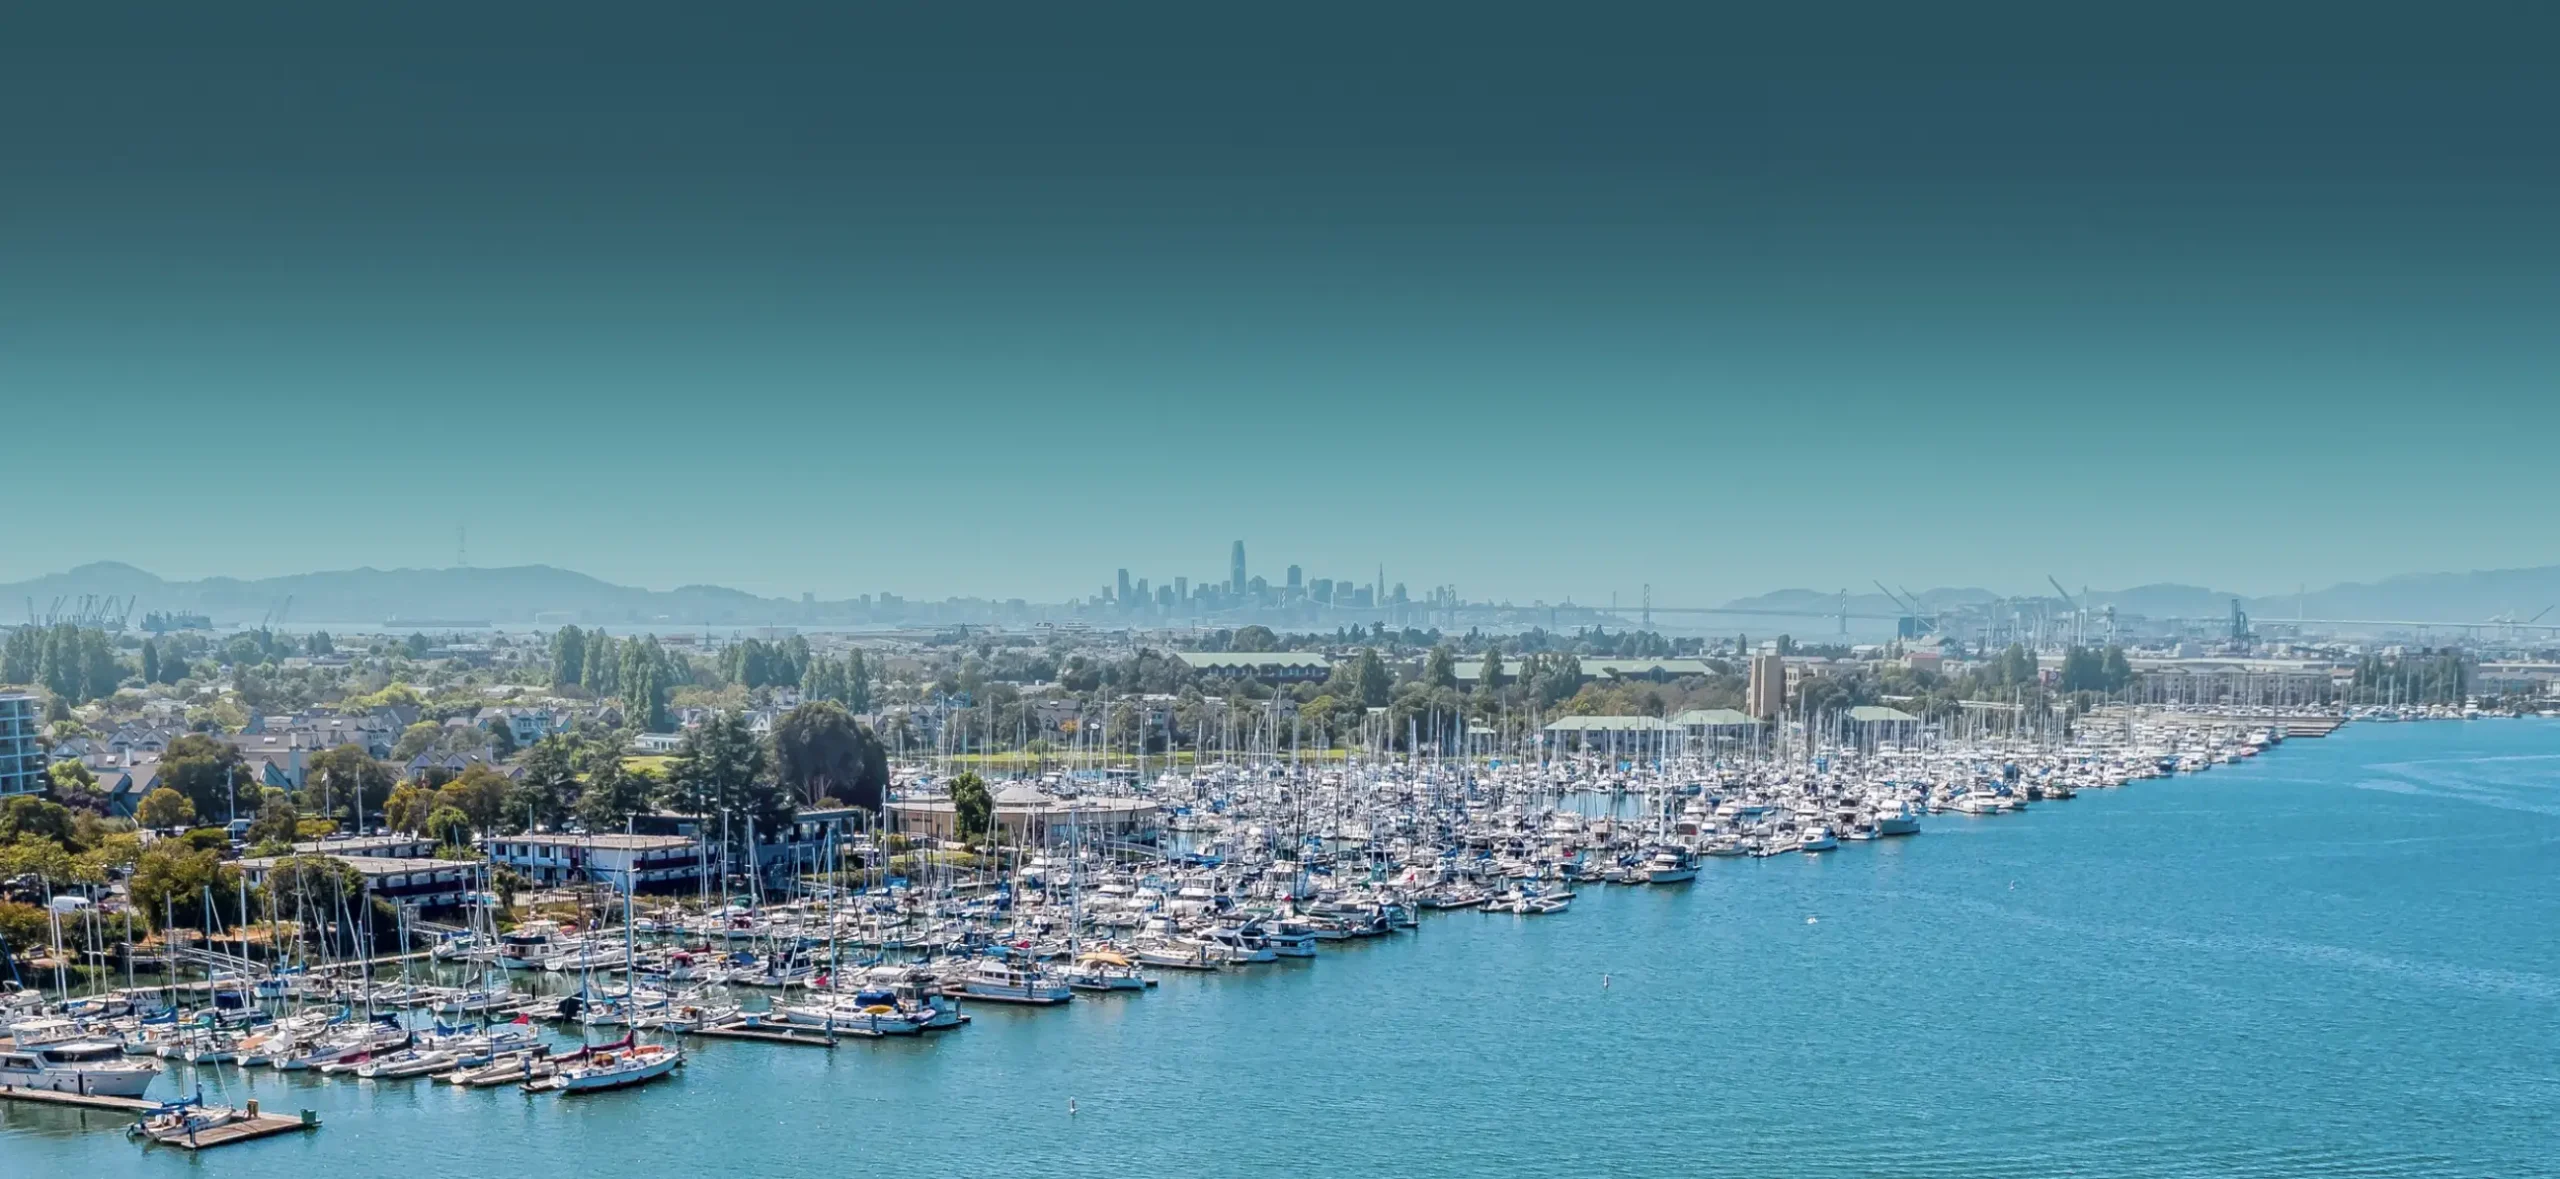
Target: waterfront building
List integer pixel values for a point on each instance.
(1026, 816)
(1715, 722)
(618, 860)
(1609, 732)
(22, 764)
(421, 881)
(1877, 725)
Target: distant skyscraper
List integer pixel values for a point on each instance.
(1235, 570)
(1182, 589)
(1124, 585)
(1297, 579)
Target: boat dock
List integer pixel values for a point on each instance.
(769, 1034)
(247, 1129)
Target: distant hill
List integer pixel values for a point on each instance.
(523, 593)
(2430, 597)
(372, 596)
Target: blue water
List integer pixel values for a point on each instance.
(2341, 959)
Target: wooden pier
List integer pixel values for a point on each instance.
(248, 1129)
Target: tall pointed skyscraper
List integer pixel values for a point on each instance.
(1235, 570)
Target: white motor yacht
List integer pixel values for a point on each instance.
(94, 1067)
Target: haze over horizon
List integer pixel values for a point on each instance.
(964, 304)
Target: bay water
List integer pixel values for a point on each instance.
(2342, 958)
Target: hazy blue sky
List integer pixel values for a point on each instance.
(1540, 301)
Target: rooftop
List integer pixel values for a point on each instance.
(1222, 660)
(1611, 724)
(371, 865)
(614, 841)
(1712, 718)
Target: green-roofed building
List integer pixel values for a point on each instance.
(1877, 725)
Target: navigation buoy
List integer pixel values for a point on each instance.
(1604, 982)
(1071, 1107)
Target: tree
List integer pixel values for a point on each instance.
(602, 661)
(416, 739)
(1375, 685)
(150, 661)
(347, 780)
(547, 791)
(28, 816)
(209, 772)
(481, 794)
(821, 752)
(163, 809)
(1254, 638)
(449, 827)
(613, 795)
(568, 656)
(502, 738)
(1440, 670)
(25, 928)
(971, 806)
(722, 769)
(170, 883)
(407, 809)
(277, 822)
(2117, 671)
(1489, 680)
(857, 678)
(70, 778)
(645, 679)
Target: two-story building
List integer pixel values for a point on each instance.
(396, 868)
(637, 862)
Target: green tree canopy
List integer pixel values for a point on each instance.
(1440, 669)
(208, 771)
(29, 817)
(722, 768)
(821, 752)
(163, 809)
(346, 781)
(171, 881)
(972, 807)
(614, 794)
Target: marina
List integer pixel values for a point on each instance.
(1692, 964)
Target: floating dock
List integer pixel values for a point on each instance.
(248, 1129)
(771, 1034)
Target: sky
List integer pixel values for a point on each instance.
(1542, 302)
